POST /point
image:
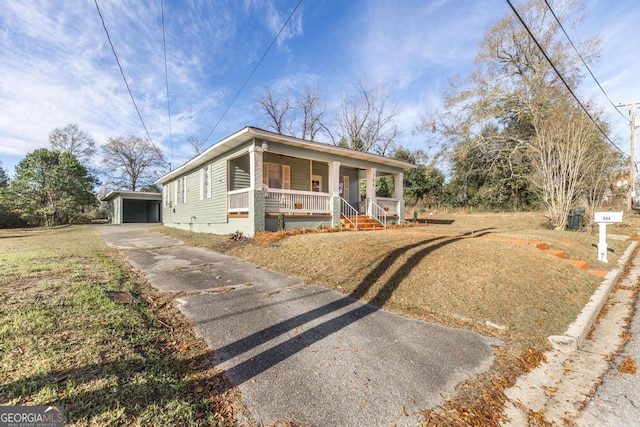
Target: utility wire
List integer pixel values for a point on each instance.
(526, 27)
(253, 71)
(584, 62)
(166, 79)
(125, 79)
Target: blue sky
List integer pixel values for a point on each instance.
(57, 67)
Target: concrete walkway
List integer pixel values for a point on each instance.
(617, 400)
(302, 352)
(559, 388)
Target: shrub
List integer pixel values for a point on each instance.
(281, 224)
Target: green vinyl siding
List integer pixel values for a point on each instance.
(207, 210)
(239, 173)
(300, 170)
(218, 203)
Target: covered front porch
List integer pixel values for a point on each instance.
(267, 181)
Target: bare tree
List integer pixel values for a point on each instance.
(132, 162)
(312, 111)
(281, 113)
(367, 122)
(278, 111)
(196, 143)
(515, 90)
(71, 139)
(559, 150)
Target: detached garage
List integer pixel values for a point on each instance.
(133, 206)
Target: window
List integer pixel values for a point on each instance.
(316, 183)
(181, 190)
(276, 176)
(205, 183)
(166, 195)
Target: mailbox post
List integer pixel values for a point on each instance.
(602, 219)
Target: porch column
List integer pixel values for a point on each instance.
(334, 191)
(256, 193)
(398, 180)
(255, 166)
(334, 179)
(371, 188)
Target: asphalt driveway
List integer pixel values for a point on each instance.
(302, 352)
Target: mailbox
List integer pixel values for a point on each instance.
(607, 217)
(602, 219)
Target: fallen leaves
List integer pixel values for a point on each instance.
(628, 366)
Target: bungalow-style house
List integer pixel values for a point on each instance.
(243, 182)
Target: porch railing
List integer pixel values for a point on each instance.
(379, 214)
(349, 212)
(238, 201)
(292, 201)
(389, 204)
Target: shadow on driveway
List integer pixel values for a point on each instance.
(302, 352)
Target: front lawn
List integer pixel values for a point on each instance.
(482, 281)
(63, 341)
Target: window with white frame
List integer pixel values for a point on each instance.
(166, 195)
(205, 182)
(276, 176)
(181, 190)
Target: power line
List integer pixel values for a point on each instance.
(166, 78)
(125, 79)
(253, 71)
(526, 27)
(584, 62)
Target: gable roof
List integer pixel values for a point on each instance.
(245, 134)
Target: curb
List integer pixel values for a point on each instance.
(577, 331)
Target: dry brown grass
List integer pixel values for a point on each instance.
(512, 291)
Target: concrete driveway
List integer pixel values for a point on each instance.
(302, 352)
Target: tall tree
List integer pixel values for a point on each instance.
(50, 187)
(515, 91)
(71, 139)
(366, 121)
(132, 162)
(310, 104)
(4, 178)
(278, 110)
(282, 111)
(422, 184)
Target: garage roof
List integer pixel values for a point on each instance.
(136, 195)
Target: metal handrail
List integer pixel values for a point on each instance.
(348, 211)
(378, 212)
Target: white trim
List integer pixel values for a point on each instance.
(181, 190)
(205, 191)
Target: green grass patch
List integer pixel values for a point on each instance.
(64, 342)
